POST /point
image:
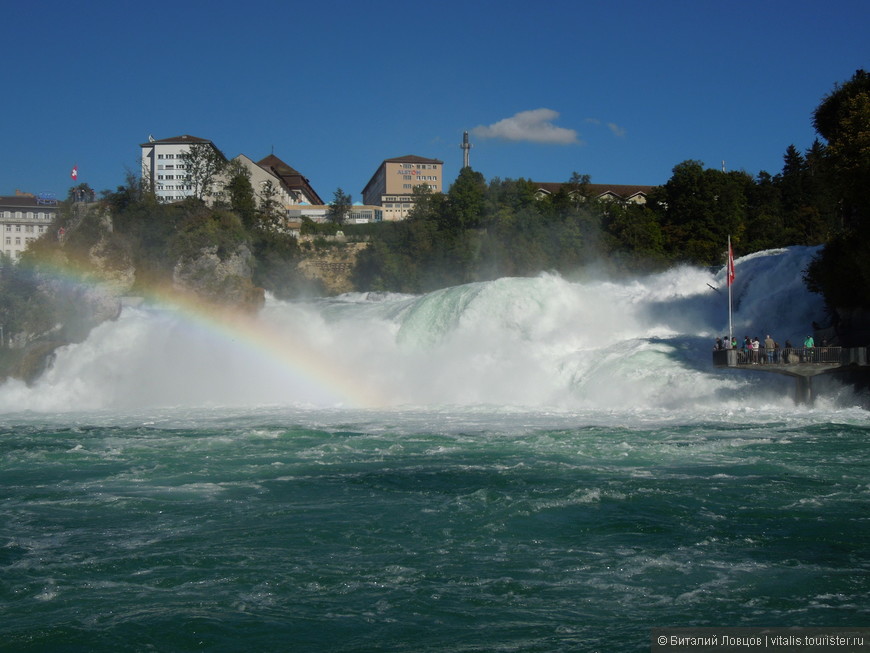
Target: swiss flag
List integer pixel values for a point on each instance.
(75, 172)
(730, 265)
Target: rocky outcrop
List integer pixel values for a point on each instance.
(332, 266)
(225, 281)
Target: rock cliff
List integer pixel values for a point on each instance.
(225, 281)
(332, 266)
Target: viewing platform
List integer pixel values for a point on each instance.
(798, 362)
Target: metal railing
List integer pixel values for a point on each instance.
(786, 355)
(792, 355)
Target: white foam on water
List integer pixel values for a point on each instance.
(530, 343)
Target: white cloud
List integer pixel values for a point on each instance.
(616, 129)
(534, 126)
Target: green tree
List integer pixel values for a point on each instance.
(700, 208)
(425, 205)
(808, 208)
(841, 272)
(271, 215)
(843, 120)
(202, 165)
(634, 230)
(339, 207)
(578, 187)
(240, 193)
(465, 202)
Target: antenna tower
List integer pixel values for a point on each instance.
(466, 146)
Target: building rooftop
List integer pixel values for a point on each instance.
(180, 140)
(289, 176)
(28, 200)
(597, 190)
(412, 158)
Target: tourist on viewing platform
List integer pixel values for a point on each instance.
(769, 348)
(756, 346)
(809, 343)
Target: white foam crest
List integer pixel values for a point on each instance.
(514, 342)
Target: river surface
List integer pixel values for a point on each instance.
(519, 465)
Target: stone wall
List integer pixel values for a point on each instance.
(332, 266)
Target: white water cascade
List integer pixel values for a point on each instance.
(545, 342)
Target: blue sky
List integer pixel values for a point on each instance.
(620, 90)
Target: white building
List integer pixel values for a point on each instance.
(24, 218)
(164, 169)
(288, 187)
(358, 214)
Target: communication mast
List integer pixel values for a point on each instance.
(466, 146)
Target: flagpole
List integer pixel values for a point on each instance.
(729, 273)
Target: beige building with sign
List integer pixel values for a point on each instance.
(392, 185)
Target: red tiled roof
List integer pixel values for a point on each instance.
(289, 176)
(275, 164)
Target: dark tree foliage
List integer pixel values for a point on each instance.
(465, 202)
(340, 207)
(240, 194)
(842, 271)
(478, 232)
(276, 256)
(699, 208)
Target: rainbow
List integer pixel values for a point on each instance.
(232, 326)
(266, 340)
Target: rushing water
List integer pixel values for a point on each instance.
(520, 465)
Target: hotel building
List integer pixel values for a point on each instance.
(391, 186)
